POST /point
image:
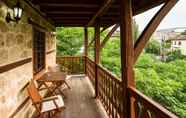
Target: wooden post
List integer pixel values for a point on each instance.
(96, 55)
(127, 54)
(85, 48)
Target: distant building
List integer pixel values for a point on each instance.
(179, 42)
(166, 34)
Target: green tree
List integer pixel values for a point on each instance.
(153, 47)
(135, 30)
(69, 40)
(176, 54)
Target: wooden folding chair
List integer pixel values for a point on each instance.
(51, 105)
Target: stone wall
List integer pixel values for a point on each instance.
(16, 40)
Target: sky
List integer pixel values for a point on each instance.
(175, 18)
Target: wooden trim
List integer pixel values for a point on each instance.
(108, 36)
(159, 110)
(39, 12)
(10, 66)
(101, 11)
(37, 26)
(51, 51)
(19, 107)
(151, 27)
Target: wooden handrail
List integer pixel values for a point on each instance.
(149, 104)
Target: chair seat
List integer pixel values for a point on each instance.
(49, 105)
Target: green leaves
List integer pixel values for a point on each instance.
(69, 40)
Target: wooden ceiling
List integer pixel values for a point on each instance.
(85, 12)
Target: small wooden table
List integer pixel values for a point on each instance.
(56, 78)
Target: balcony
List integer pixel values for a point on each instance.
(110, 93)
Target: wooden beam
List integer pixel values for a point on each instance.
(14, 65)
(104, 28)
(91, 42)
(38, 11)
(96, 56)
(109, 35)
(151, 27)
(101, 11)
(85, 48)
(69, 12)
(85, 41)
(69, 5)
(127, 54)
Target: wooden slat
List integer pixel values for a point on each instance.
(151, 27)
(8, 67)
(109, 35)
(101, 11)
(50, 51)
(69, 5)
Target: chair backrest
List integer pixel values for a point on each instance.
(33, 92)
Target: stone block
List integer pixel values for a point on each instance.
(4, 56)
(3, 26)
(24, 54)
(29, 44)
(20, 39)
(2, 41)
(10, 40)
(14, 53)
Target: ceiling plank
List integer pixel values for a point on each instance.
(101, 11)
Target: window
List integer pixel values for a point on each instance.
(179, 43)
(39, 50)
(174, 42)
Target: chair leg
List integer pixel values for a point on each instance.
(67, 85)
(61, 92)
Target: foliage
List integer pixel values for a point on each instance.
(153, 47)
(110, 56)
(135, 30)
(176, 54)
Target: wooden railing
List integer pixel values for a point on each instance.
(90, 70)
(71, 64)
(147, 108)
(110, 90)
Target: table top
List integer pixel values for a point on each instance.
(53, 77)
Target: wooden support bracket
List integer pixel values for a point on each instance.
(151, 27)
(108, 36)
